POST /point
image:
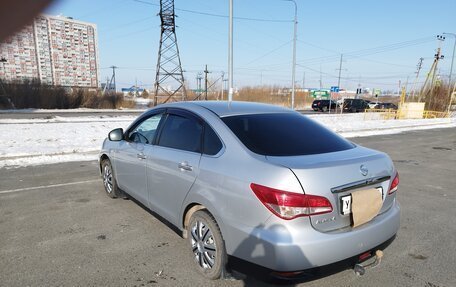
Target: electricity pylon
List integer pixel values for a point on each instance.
(169, 80)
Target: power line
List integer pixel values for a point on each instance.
(369, 51)
(390, 47)
(344, 78)
(123, 25)
(220, 15)
(380, 62)
(270, 52)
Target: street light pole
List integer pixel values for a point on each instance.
(293, 73)
(230, 54)
(451, 69)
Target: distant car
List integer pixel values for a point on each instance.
(385, 106)
(323, 105)
(258, 182)
(355, 105)
(372, 104)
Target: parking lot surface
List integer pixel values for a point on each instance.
(58, 228)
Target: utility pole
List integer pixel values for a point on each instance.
(293, 72)
(338, 82)
(432, 71)
(450, 91)
(340, 70)
(320, 78)
(112, 82)
(418, 69)
(230, 54)
(406, 84)
(304, 81)
(136, 87)
(199, 78)
(223, 82)
(205, 83)
(106, 86)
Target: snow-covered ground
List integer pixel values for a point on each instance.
(42, 141)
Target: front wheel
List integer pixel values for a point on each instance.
(109, 181)
(207, 245)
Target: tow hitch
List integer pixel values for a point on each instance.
(361, 267)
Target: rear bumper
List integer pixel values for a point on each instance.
(294, 246)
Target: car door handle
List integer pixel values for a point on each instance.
(185, 166)
(141, 156)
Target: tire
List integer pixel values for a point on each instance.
(207, 248)
(109, 181)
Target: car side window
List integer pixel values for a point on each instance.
(146, 130)
(212, 144)
(182, 133)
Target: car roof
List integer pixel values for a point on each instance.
(225, 108)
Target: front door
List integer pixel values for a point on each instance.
(131, 157)
(173, 164)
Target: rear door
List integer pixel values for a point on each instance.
(173, 164)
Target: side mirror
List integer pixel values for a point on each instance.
(116, 135)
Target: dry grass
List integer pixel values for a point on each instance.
(273, 95)
(437, 99)
(260, 94)
(31, 94)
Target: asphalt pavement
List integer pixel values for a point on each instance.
(58, 228)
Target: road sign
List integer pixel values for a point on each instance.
(335, 89)
(377, 92)
(321, 94)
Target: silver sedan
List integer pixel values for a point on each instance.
(257, 182)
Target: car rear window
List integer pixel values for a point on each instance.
(284, 134)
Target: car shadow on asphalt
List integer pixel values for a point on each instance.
(156, 215)
(255, 275)
(262, 251)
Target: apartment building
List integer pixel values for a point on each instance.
(56, 50)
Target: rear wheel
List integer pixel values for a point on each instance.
(109, 181)
(207, 245)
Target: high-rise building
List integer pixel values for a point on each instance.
(54, 49)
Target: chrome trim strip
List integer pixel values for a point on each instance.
(358, 184)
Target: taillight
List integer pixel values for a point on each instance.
(394, 184)
(288, 205)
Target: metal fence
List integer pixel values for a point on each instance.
(390, 114)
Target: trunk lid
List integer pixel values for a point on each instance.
(337, 174)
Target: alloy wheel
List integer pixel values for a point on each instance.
(107, 178)
(203, 245)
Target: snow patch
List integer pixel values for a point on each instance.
(26, 142)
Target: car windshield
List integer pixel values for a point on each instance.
(284, 134)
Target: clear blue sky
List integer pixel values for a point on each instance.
(382, 41)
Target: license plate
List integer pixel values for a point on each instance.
(346, 202)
